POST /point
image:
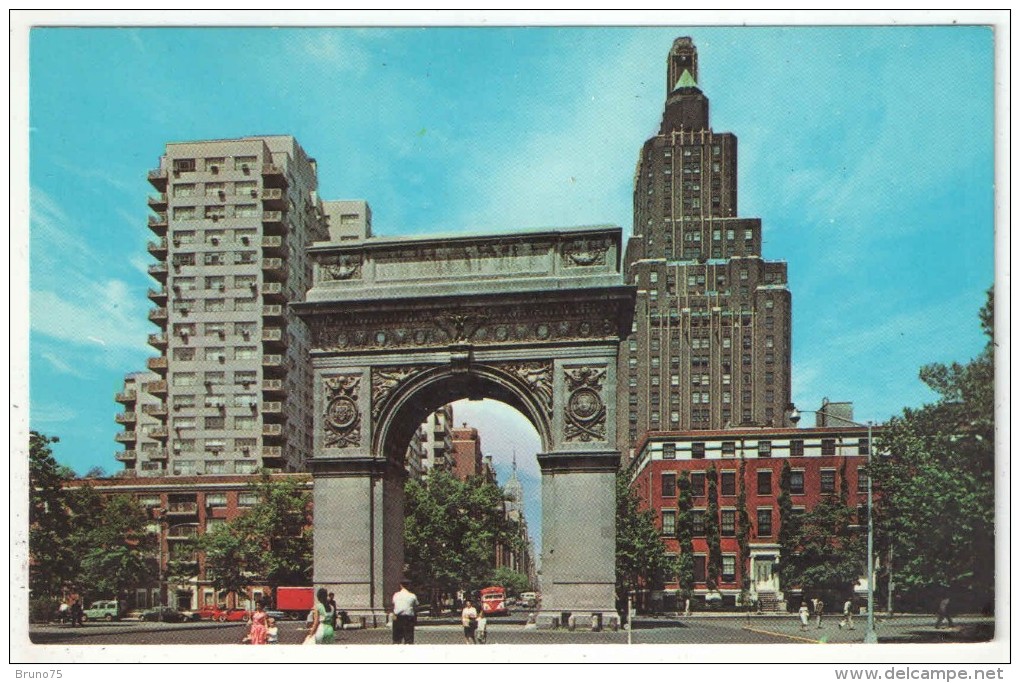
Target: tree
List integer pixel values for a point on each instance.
(451, 530)
(515, 583)
(935, 490)
(713, 566)
(743, 534)
(51, 565)
(271, 543)
(789, 529)
(640, 553)
(685, 537)
(829, 550)
(115, 548)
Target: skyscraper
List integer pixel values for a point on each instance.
(710, 346)
(232, 391)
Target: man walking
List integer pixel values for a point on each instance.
(848, 615)
(944, 614)
(405, 606)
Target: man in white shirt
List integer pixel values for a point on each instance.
(405, 605)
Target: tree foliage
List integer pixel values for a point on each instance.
(935, 489)
(271, 543)
(641, 559)
(451, 530)
(49, 521)
(515, 583)
(743, 533)
(713, 565)
(685, 537)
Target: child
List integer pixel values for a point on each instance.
(480, 632)
(272, 633)
(804, 614)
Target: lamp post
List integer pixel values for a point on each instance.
(869, 635)
(159, 558)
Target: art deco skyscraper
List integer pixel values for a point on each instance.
(710, 347)
(232, 391)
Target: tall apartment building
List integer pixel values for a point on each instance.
(233, 387)
(710, 347)
(437, 442)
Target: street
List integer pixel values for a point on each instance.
(730, 629)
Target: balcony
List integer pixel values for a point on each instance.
(156, 454)
(126, 418)
(190, 508)
(157, 248)
(271, 431)
(129, 455)
(273, 386)
(158, 223)
(274, 245)
(274, 338)
(272, 407)
(273, 291)
(273, 222)
(158, 202)
(273, 364)
(158, 315)
(159, 341)
(157, 388)
(126, 397)
(273, 176)
(182, 531)
(157, 178)
(272, 452)
(154, 409)
(157, 364)
(274, 267)
(158, 296)
(161, 433)
(272, 313)
(274, 198)
(159, 271)
(126, 437)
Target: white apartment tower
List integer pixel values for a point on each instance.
(232, 391)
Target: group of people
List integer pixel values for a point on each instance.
(322, 620)
(71, 609)
(263, 629)
(474, 623)
(818, 607)
(405, 606)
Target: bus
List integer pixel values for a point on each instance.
(493, 600)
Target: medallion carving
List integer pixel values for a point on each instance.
(585, 411)
(339, 268)
(586, 252)
(342, 417)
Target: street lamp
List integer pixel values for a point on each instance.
(869, 635)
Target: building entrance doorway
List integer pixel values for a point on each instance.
(401, 327)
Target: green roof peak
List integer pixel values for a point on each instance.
(686, 81)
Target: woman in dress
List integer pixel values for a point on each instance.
(322, 619)
(258, 635)
(469, 620)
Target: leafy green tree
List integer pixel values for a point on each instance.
(935, 491)
(743, 534)
(685, 537)
(830, 552)
(115, 546)
(713, 567)
(271, 543)
(789, 529)
(52, 563)
(515, 583)
(640, 553)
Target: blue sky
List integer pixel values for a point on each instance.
(866, 151)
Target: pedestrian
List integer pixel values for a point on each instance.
(469, 620)
(482, 632)
(63, 611)
(77, 612)
(819, 607)
(321, 631)
(943, 613)
(804, 614)
(332, 605)
(687, 606)
(848, 615)
(258, 633)
(405, 613)
(272, 632)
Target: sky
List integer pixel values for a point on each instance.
(866, 151)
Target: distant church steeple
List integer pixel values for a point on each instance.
(514, 490)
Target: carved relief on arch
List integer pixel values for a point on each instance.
(342, 417)
(585, 252)
(585, 411)
(537, 376)
(334, 268)
(386, 380)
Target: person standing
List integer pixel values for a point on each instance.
(77, 611)
(405, 609)
(469, 620)
(848, 615)
(259, 632)
(804, 615)
(482, 632)
(944, 614)
(332, 605)
(819, 606)
(322, 619)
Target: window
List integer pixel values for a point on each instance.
(862, 446)
(244, 377)
(728, 483)
(215, 305)
(764, 482)
(215, 422)
(828, 481)
(728, 523)
(213, 258)
(184, 259)
(215, 189)
(183, 401)
(797, 482)
(862, 480)
(700, 572)
(183, 379)
(698, 449)
(764, 449)
(669, 484)
(215, 500)
(697, 484)
(214, 164)
(244, 163)
(729, 568)
(245, 400)
(669, 522)
(828, 447)
(214, 378)
(669, 451)
(215, 211)
(246, 445)
(184, 353)
(215, 353)
(764, 522)
(697, 522)
(245, 211)
(184, 423)
(247, 187)
(247, 499)
(244, 304)
(183, 165)
(797, 447)
(244, 422)
(246, 352)
(729, 449)
(184, 467)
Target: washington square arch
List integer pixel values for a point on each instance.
(402, 326)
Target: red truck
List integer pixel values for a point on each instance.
(295, 601)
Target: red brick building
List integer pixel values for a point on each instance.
(817, 457)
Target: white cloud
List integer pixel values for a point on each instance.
(335, 49)
(62, 366)
(106, 313)
(51, 413)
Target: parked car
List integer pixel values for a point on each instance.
(232, 614)
(105, 610)
(206, 613)
(167, 614)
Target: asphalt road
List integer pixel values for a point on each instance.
(696, 629)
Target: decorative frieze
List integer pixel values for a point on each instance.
(334, 268)
(585, 413)
(586, 252)
(341, 417)
(386, 380)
